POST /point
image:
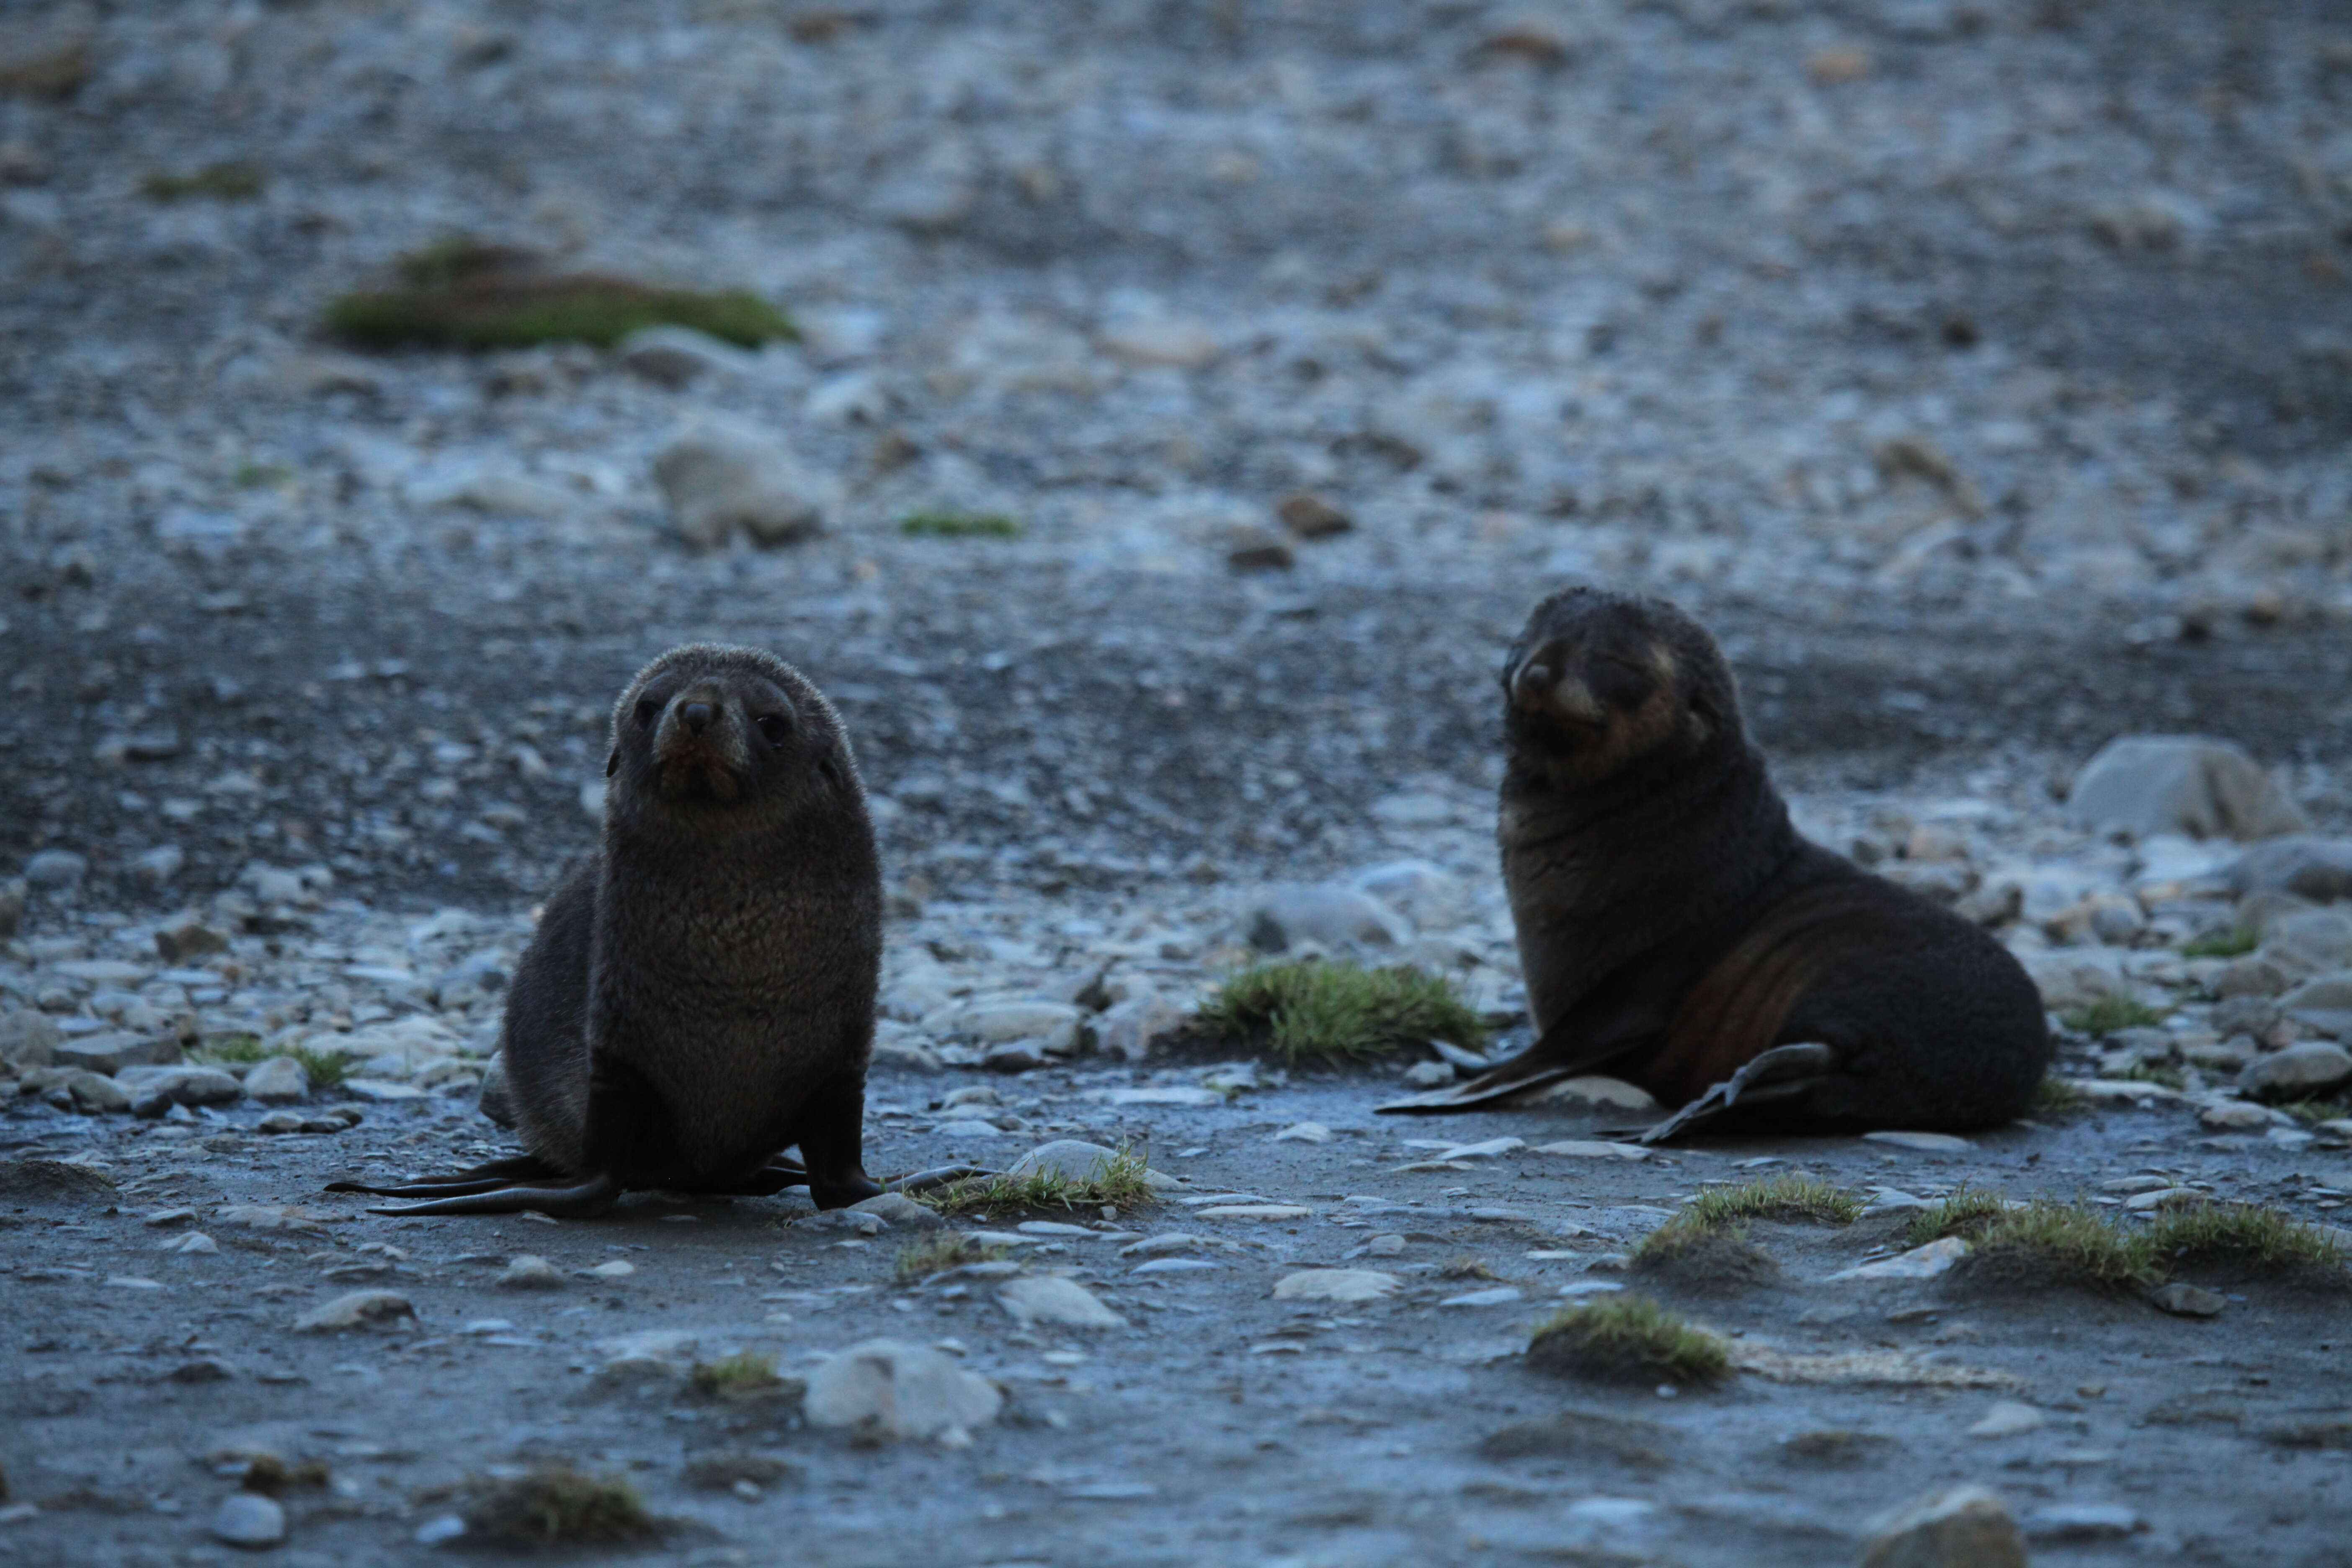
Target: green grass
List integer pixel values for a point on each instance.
(327, 1069)
(1966, 1211)
(2221, 944)
(1121, 1185)
(943, 1253)
(1340, 1012)
(1790, 1195)
(960, 525)
(254, 475)
(2244, 1233)
(460, 293)
(2109, 1013)
(1629, 1339)
(2311, 1113)
(218, 182)
(747, 1374)
(556, 1506)
(2052, 1244)
(2056, 1096)
(2155, 1072)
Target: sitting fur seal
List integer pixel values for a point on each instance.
(1675, 930)
(699, 995)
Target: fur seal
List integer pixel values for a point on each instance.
(1676, 930)
(699, 995)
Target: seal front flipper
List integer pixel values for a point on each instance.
(1779, 1073)
(1548, 1060)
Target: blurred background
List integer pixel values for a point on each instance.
(1148, 420)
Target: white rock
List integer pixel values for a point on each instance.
(1280, 917)
(890, 1388)
(1594, 1149)
(250, 1521)
(1920, 1263)
(1074, 1160)
(2233, 1116)
(1051, 1298)
(280, 1080)
(1923, 1142)
(1169, 1241)
(529, 1271)
(1497, 1296)
(901, 1212)
(1057, 1027)
(1128, 1028)
(2083, 1522)
(672, 356)
(1175, 1265)
(1164, 1094)
(720, 481)
(1960, 1527)
(2008, 1419)
(2070, 977)
(1595, 1091)
(1304, 1133)
(359, 1309)
(1336, 1285)
(1488, 1149)
(1176, 341)
(1255, 1211)
(2146, 784)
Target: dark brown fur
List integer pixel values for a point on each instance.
(699, 995)
(1672, 926)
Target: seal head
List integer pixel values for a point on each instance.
(1601, 684)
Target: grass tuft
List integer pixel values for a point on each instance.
(327, 1068)
(2242, 1233)
(1967, 1211)
(556, 1505)
(943, 1253)
(2056, 1096)
(747, 1374)
(2048, 1244)
(1340, 1012)
(2109, 1013)
(1121, 1183)
(960, 525)
(2155, 1072)
(2235, 943)
(216, 182)
(1466, 1268)
(1629, 1339)
(461, 293)
(1789, 1196)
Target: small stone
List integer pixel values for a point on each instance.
(154, 1090)
(673, 355)
(1051, 1298)
(250, 1521)
(358, 1309)
(2008, 1419)
(1592, 1149)
(195, 1244)
(156, 867)
(529, 1271)
(1128, 1028)
(1072, 1160)
(1255, 1211)
(187, 937)
(1962, 1527)
(1312, 517)
(1388, 1245)
(1249, 548)
(2083, 1522)
(2312, 868)
(1923, 1142)
(2233, 1116)
(1173, 342)
(440, 1531)
(55, 868)
(1021, 1056)
(1304, 1133)
(29, 1039)
(1597, 1092)
(720, 481)
(2182, 1300)
(2148, 785)
(1496, 1296)
(889, 1388)
(1337, 1284)
(618, 1268)
(94, 1094)
(1286, 914)
(280, 1080)
(2310, 1068)
(902, 1212)
(112, 1050)
(1920, 1263)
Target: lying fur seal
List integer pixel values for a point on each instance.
(1674, 931)
(699, 995)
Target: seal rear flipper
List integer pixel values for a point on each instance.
(478, 1179)
(1781, 1073)
(1548, 1060)
(594, 1196)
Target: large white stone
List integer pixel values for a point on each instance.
(1051, 1298)
(1336, 1285)
(1960, 1527)
(890, 1388)
(720, 480)
(2148, 785)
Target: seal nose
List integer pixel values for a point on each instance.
(695, 716)
(1533, 682)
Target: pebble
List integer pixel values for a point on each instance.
(1960, 1527)
(1336, 1285)
(1304, 1133)
(2182, 1300)
(1920, 1263)
(901, 1212)
(2008, 1419)
(1050, 1298)
(2075, 1521)
(1592, 1149)
(280, 1080)
(1253, 1211)
(1331, 914)
(2309, 1067)
(2233, 1116)
(529, 1271)
(1922, 1143)
(250, 1521)
(1496, 1296)
(55, 868)
(1175, 1265)
(195, 1244)
(890, 1388)
(618, 1268)
(358, 1309)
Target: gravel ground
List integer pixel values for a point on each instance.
(1981, 373)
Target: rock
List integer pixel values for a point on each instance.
(529, 1271)
(2008, 1419)
(933, 194)
(1960, 1527)
(854, 1221)
(673, 356)
(1496, 1296)
(29, 1039)
(2233, 1116)
(2186, 1300)
(2323, 1005)
(113, 1051)
(1304, 1133)
(1128, 1028)
(1594, 1149)
(280, 1080)
(2073, 1521)
(1312, 517)
(154, 867)
(2251, 976)
(720, 481)
(358, 1309)
(55, 868)
(1596, 1093)
(1286, 914)
(2305, 943)
(1074, 1160)
(93, 1094)
(185, 937)
(1050, 1298)
(901, 1212)
(1150, 339)
(2312, 1066)
(1055, 1029)
(493, 1100)
(1249, 548)
(1336, 1285)
(1920, 1263)
(889, 1388)
(250, 1521)
(1922, 1143)
(2148, 785)
(1021, 1056)
(154, 1091)
(2312, 868)
(1429, 1075)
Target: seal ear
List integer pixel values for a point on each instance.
(613, 763)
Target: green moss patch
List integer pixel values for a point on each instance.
(2221, 944)
(2109, 1013)
(464, 294)
(327, 1068)
(1121, 1182)
(557, 1506)
(2243, 1236)
(1789, 1196)
(2056, 1096)
(1702, 1260)
(213, 181)
(1340, 1012)
(1629, 1340)
(747, 1374)
(2055, 1246)
(960, 525)
(1967, 1212)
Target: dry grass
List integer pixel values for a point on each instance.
(558, 1505)
(943, 1253)
(2242, 1235)
(1121, 1183)
(747, 1374)
(1629, 1340)
(1340, 1012)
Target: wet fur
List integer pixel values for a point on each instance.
(1673, 925)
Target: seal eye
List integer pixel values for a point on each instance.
(647, 711)
(775, 729)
